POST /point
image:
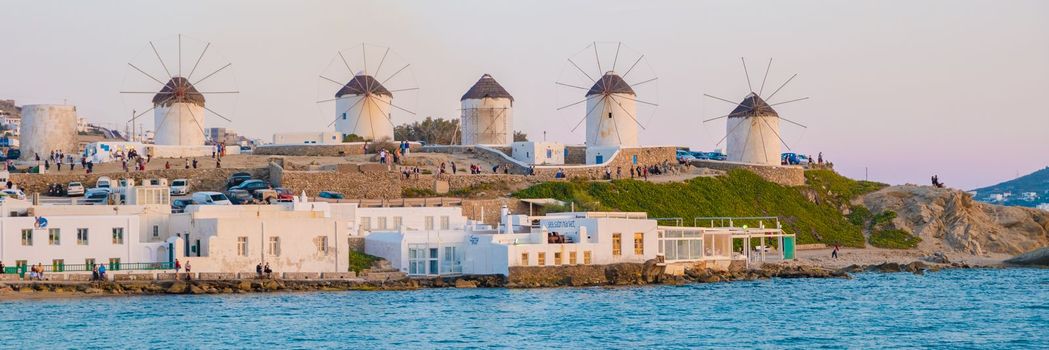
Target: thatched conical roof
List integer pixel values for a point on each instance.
(610, 83)
(178, 90)
(486, 87)
(363, 84)
(753, 105)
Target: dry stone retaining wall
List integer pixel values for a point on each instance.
(783, 175)
(200, 179)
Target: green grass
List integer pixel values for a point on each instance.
(838, 189)
(738, 193)
(360, 261)
(893, 239)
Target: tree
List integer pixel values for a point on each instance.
(520, 136)
(352, 138)
(432, 131)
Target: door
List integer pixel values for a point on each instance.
(599, 159)
(433, 268)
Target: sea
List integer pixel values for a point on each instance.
(952, 309)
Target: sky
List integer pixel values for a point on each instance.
(898, 90)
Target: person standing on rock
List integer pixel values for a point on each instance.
(187, 271)
(194, 163)
(268, 271)
(258, 270)
(178, 266)
(834, 253)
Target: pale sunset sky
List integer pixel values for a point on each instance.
(904, 89)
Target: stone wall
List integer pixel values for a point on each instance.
(200, 179)
(474, 208)
(356, 184)
(338, 150)
(783, 175)
(583, 275)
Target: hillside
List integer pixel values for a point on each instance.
(1037, 182)
(950, 220)
(813, 212)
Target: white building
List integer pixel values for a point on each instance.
(47, 128)
(753, 132)
(611, 118)
(362, 108)
(487, 114)
(308, 138)
(593, 238)
(539, 153)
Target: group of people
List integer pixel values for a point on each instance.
(179, 266)
(396, 157)
(58, 158)
(936, 181)
(263, 270)
(98, 273)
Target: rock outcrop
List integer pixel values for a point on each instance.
(1038, 257)
(952, 220)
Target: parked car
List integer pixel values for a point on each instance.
(251, 186)
(179, 205)
(75, 188)
(330, 195)
(236, 179)
(265, 195)
(238, 196)
(13, 193)
(284, 194)
(104, 182)
(210, 198)
(179, 187)
(97, 196)
(683, 156)
(791, 158)
(709, 155)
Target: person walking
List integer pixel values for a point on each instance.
(834, 253)
(178, 266)
(454, 168)
(194, 163)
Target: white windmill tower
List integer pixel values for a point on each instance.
(178, 106)
(753, 127)
(612, 103)
(364, 106)
(487, 114)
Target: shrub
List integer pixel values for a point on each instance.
(352, 138)
(409, 192)
(361, 261)
(894, 239)
(859, 215)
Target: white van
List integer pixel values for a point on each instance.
(210, 198)
(179, 187)
(104, 182)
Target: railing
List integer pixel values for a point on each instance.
(733, 221)
(90, 267)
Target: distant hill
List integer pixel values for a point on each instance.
(1037, 182)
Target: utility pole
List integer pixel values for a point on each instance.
(132, 136)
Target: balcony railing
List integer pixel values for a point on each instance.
(52, 268)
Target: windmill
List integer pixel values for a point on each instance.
(180, 103)
(752, 128)
(613, 100)
(487, 114)
(364, 80)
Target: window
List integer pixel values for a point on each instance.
(382, 222)
(571, 258)
(81, 236)
(118, 235)
(366, 223)
(397, 220)
(274, 247)
(58, 265)
(322, 245)
(524, 259)
(586, 257)
(444, 222)
(27, 236)
(54, 236)
(617, 244)
(242, 246)
(549, 153)
(114, 264)
(557, 258)
(344, 116)
(639, 243)
(156, 231)
(89, 264)
(542, 259)
(428, 223)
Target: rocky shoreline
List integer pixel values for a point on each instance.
(610, 275)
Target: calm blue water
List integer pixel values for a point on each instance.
(951, 309)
